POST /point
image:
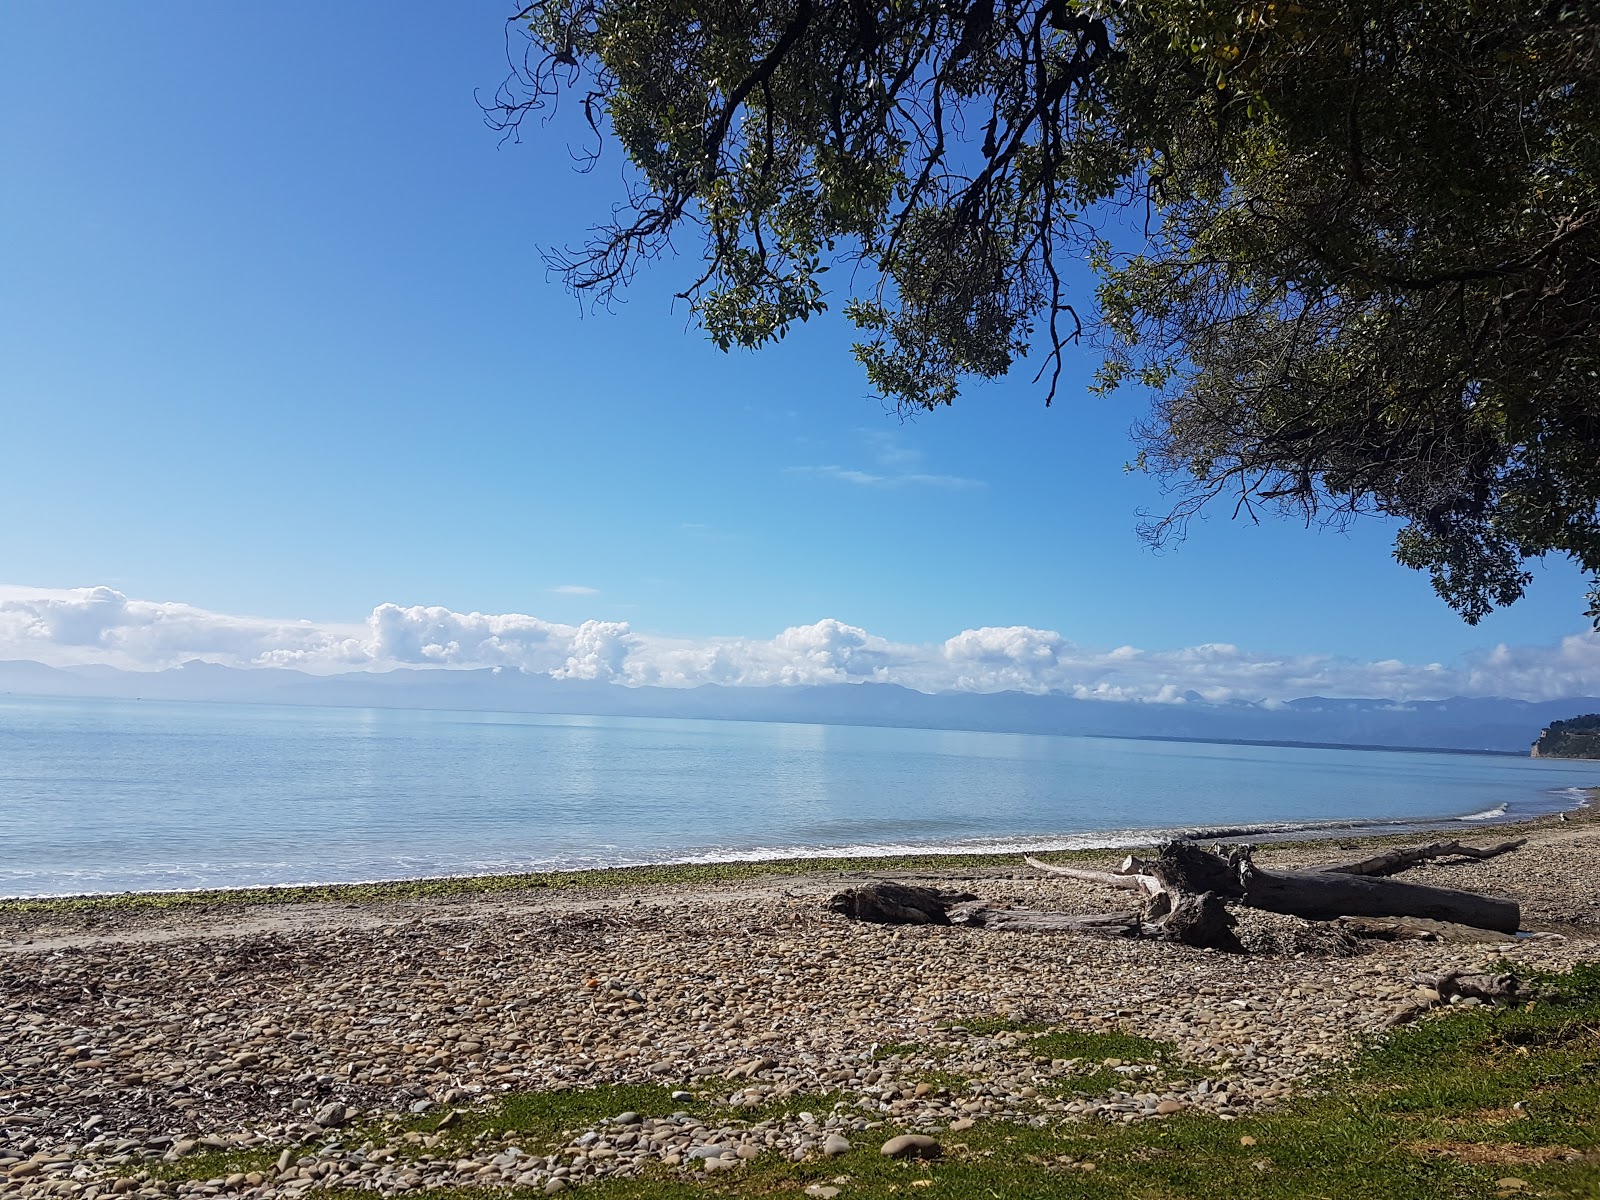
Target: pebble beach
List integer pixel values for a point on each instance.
(351, 1035)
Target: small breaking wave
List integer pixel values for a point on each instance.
(1578, 797)
(1488, 814)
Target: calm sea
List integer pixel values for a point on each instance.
(109, 796)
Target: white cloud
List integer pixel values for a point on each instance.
(574, 589)
(101, 625)
(899, 466)
(66, 627)
(893, 480)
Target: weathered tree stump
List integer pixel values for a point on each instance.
(1325, 894)
(890, 903)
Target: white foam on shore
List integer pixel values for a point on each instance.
(1580, 797)
(1112, 839)
(1488, 814)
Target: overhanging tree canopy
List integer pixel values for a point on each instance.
(1368, 235)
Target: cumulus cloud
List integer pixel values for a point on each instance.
(66, 627)
(101, 625)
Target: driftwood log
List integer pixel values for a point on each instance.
(898, 904)
(1396, 861)
(1187, 890)
(1327, 893)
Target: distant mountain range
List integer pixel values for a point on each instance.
(1461, 723)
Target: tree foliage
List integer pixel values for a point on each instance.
(1365, 264)
(1375, 283)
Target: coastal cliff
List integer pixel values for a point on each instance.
(1575, 738)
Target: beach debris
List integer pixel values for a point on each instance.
(1378, 930)
(1463, 988)
(1187, 891)
(1200, 920)
(898, 904)
(1504, 987)
(1421, 929)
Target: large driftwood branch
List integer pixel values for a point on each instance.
(1359, 889)
(1110, 879)
(1396, 861)
(1323, 895)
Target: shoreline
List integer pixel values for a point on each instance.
(642, 1028)
(851, 859)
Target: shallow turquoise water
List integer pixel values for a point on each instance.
(110, 795)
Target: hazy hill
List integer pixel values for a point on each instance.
(1455, 724)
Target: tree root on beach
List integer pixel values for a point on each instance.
(1187, 891)
(1462, 987)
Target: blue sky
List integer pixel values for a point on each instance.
(276, 339)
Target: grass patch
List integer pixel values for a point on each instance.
(1044, 1041)
(820, 1104)
(210, 1164)
(951, 1082)
(1098, 1046)
(904, 1050)
(544, 1117)
(992, 1026)
(1090, 1048)
(542, 1120)
(1439, 1111)
(1096, 1082)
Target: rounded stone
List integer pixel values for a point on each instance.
(912, 1145)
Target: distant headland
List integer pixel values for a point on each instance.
(1578, 737)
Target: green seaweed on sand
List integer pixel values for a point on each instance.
(460, 887)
